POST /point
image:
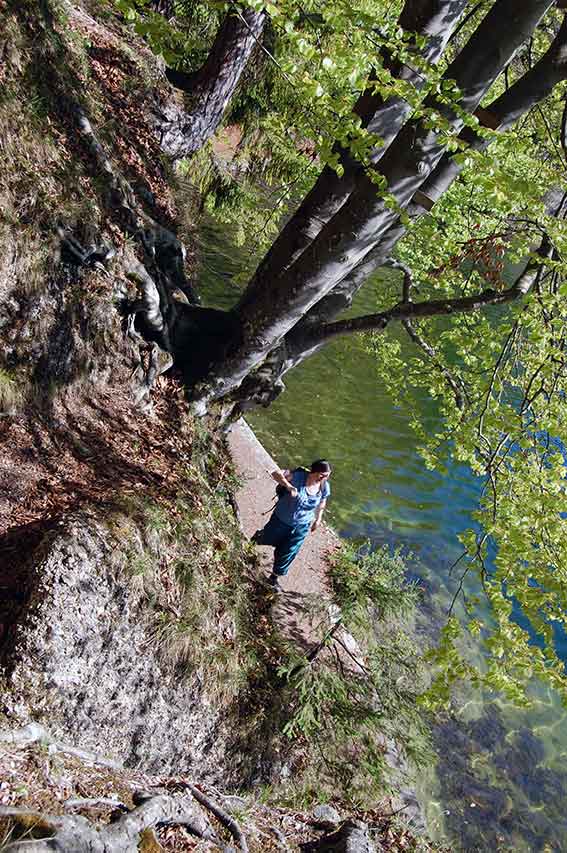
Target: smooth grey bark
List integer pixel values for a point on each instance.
(360, 223)
(532, 88)
(213, 85)
(433, 19)
(164, 7)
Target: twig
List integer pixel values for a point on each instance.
(227, 821)
(350, 654)
(442, 368)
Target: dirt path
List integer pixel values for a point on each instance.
(307, 575)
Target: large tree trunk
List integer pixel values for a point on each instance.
(285, 297)
(432, 19)
(308, 336)
(502, 114)
(213, 85)
(164, 7)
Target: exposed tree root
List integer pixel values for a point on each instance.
(159, 276)
(226, 819)
(77, 834)
(34, 733)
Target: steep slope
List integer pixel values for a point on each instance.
(132, 622)
(121, 559)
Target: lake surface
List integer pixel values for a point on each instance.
(501, 780)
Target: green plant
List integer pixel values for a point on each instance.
(354, 703)
(194, 575)
(10, 393)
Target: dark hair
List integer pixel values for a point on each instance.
(320, 466)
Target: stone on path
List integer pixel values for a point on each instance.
(352, 837)
(326, 816)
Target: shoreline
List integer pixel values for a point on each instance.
(307, 576)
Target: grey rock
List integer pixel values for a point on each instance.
(234, 804)
(352, 837)
(413, 812)
(326, 816)
(81, 662)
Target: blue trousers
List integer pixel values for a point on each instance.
(285, 540)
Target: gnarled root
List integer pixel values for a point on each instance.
(76, 834)
(160, 275)
(182, 805)
(34, 733)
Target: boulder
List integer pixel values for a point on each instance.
(326, 817)
(352, 837)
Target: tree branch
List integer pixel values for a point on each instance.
(516, 101)
(407, 283)
(226, 820)
(563, 133)
(431, 353)
(436, 307)
(405, 311)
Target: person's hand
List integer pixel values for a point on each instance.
(314, 526)
(293, 492)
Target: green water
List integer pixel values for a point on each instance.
(500, 782)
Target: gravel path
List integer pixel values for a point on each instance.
(307, 575)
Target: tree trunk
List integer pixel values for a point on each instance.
(285, 298)
(503, 113)
(433, 19)
(213, 85)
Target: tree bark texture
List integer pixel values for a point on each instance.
(514, 102)
(346, 239)
(164, 7)
(213, 85)
(76, 834)
(433, 19)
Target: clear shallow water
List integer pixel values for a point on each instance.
(501, 780)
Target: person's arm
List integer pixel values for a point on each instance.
(318, 515)
(281, 477)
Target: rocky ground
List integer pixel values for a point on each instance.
(91, 798)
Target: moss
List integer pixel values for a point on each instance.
(11, 392)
